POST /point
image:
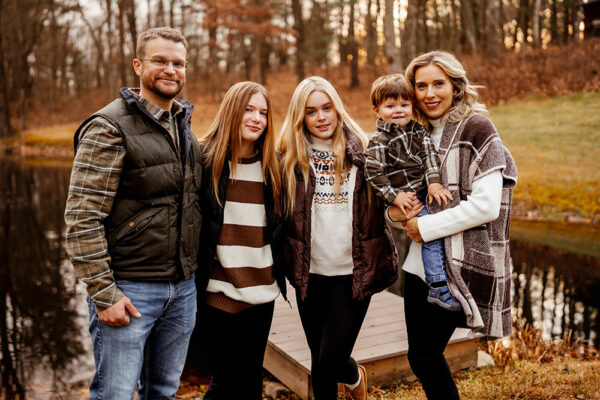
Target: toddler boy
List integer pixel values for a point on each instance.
(401, 163)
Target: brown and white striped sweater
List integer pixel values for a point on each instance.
(243, 272)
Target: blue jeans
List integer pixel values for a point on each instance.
(151, 349)
(432, 253)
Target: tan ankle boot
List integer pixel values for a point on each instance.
(360, 392)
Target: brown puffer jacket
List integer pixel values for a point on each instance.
(373, 250)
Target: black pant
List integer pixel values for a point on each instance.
(429, 328)
(236, 346)
(331, 322)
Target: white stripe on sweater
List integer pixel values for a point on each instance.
(252, 295)
(244, 214)
(247, 172)
(242, 256)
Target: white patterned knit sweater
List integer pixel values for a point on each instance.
(331, 215)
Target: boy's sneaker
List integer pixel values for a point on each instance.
(442, 297)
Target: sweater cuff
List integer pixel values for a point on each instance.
(391, 222)
(433, 177)
(390, 195)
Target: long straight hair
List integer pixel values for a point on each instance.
(224, 134)
(465, 101)
(294, 141)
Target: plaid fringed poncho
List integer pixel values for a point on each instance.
(479, 258)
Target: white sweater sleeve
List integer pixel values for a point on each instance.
(481, 206)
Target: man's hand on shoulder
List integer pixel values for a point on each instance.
(118, 313)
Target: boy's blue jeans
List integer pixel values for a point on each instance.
(432, 252)
(151, 349)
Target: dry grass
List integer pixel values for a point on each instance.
(567, 379)
(527, 367)
(555, 144)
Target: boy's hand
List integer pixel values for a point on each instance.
(437, 192)
(404, 201)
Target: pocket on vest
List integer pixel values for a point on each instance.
(143, 239)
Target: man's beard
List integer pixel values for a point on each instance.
(161, 93)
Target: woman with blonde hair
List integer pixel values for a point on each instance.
(338, 250)
(480, 174)
(240, 266)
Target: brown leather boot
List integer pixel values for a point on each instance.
(360, 392)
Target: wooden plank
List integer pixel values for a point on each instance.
(389, 370)
(293, 375)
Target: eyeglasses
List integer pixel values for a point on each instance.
(161, 63)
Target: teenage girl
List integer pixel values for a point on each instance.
(240, 256)
(338, 249)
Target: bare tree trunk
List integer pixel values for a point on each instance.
(392, 53)
(299, 28)
(493, 34)
(438, 26)
(455, 44)
(567, 4)
(121, 28)
(523, 19)
(99, 46)
(371, 39)
(109, 64)
(353, 47)
(341, 39)
(149, 23)
(537, 4)
(480, 14)
(409, 35)
(5, 127)
(423, 43)
(132, 23)
(53, 60)
(63, 88)
(554, 35)
(576, 22)
(469, 26)
(171, 13)
(160, 14)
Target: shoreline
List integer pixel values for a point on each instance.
(61, 153)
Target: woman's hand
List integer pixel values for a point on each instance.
(397, 215)
(412, 230)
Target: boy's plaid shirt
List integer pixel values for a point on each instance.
(401, 159)
(94, 181)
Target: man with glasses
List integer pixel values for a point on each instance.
(133, 222)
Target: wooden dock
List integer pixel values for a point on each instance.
(381, 346)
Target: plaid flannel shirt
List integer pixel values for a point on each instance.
(95, 178)
(401, 160)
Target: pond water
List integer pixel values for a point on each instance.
(45, 349)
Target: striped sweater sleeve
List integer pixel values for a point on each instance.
(94, 180)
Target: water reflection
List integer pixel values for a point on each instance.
(557, 291)
(40, 327)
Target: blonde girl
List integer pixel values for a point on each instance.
(240, 244)
(338, 250)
